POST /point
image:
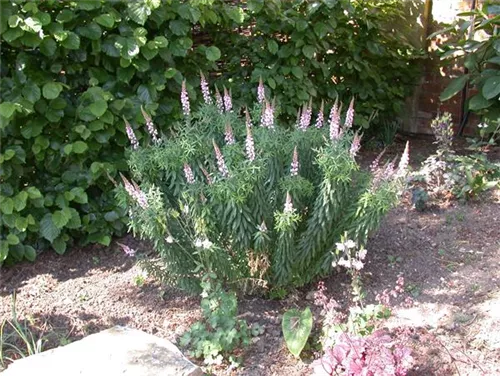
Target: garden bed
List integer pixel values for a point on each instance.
(449, 256)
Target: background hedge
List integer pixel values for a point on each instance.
(70, 70)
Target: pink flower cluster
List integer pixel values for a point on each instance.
(229, 135)
(185, 100)
(321, 116)
(334, 121)
(135, 192)
(205, 91)
(349, 117)
(294, 167)
(399, 289)
(228, 103)
(188, 173)
(261, 93)
(219, 101)
(305, 116)
(356, 145)
(221, 164)
(288, 204)
(249, 144)
(153, 132)
(131, 135)
(267, 119)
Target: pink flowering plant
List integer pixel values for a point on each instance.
(258, 202)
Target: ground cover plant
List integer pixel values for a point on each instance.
(71, 70)
(231, 191)
(463, 176)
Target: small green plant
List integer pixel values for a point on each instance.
(297, 326)
(220, 332)
(17, 339)
(393, 260)
(96, 260)
(139, 280)
(465, 176)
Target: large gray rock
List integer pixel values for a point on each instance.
(116, 351)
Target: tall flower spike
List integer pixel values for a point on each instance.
(218, 101)
(249, 145)
(267, 119)
(321, 116)
(205, 91)
(261, 92)
(294, 167)
(221, 164)
(334, 121)
(248, 119)
(299, 117)
(405, 160)
(228, 103)
(153, 132)
(288, 204)
(349, 116)
(228, 135)
(131, 134)
(186, 110)
(374, 166)
(356, 145)
(207, 175)
(305, 118)
(188, 173)
(128, 186)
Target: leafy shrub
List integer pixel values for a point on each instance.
(480, 52)
(296, 327)
(70, 71)
(266, 207)
(465, 176)
(220, 332)
(299, 47)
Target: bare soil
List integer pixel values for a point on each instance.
(448, 255)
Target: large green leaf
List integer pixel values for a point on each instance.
(212, 53)
(454, 87)
(89, 4)
(72, 41)
(105, 20)
(297, 327)
(491, 87)
(7, 109)
(272, 46)
(138, 11)
(478, 102)
(51, 90)
(308, 51)
(98, 108)
(48, 228)
(31, 92)
(48, 46)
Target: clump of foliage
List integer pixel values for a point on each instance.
(71, 70)
(465, 176)
(353, 344)
(251, 200)
(480, 52)
(220, 332)
(375, 354)
(17, 339)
